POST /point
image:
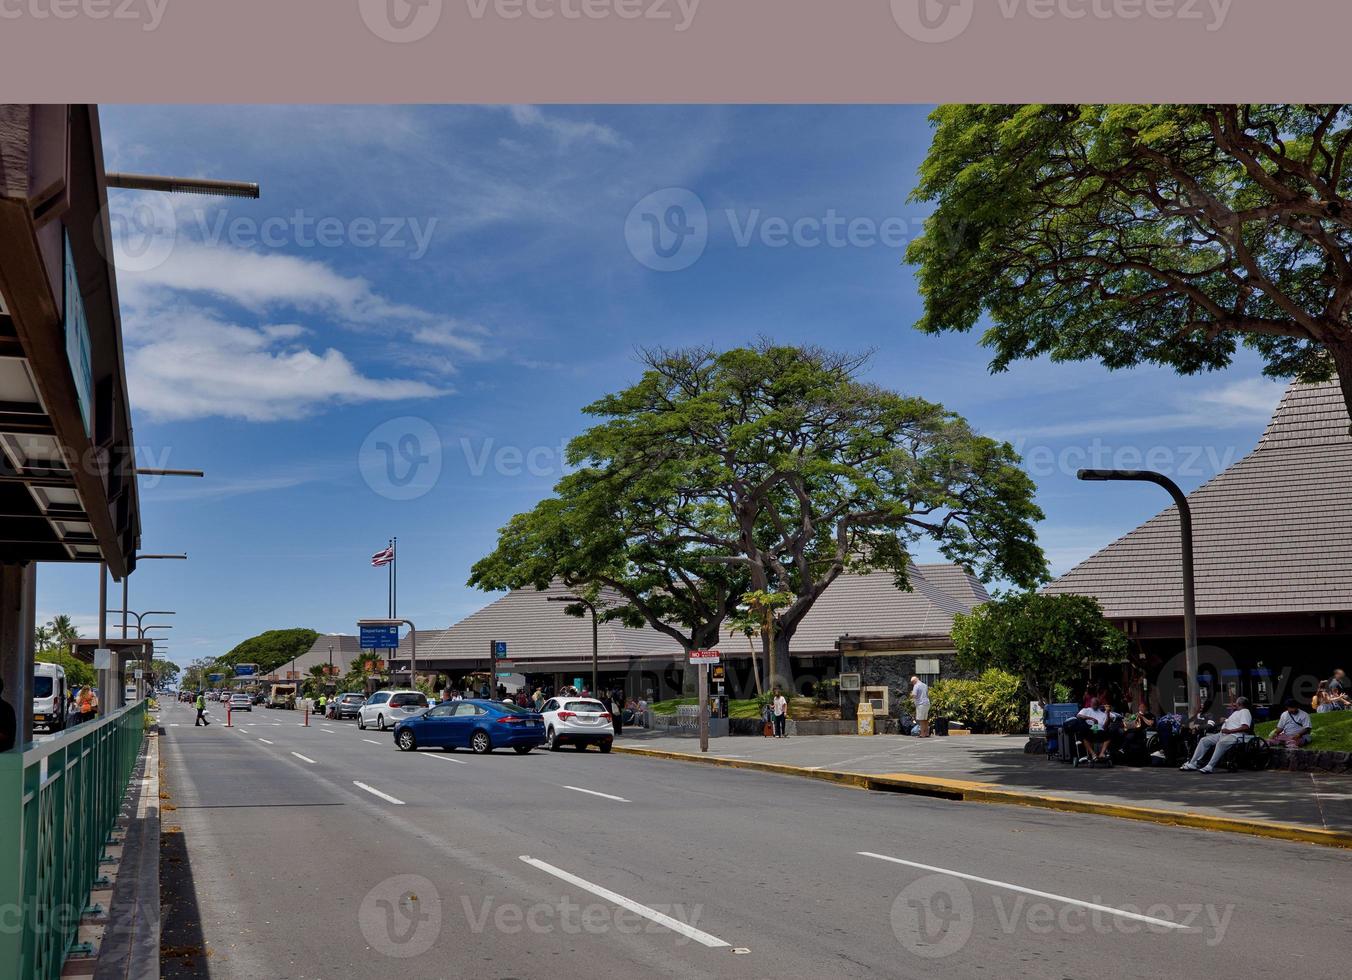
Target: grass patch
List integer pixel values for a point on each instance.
(1330, 732)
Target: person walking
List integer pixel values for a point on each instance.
(780, 707)
(920, 696)
(201, 705)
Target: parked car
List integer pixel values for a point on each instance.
(259, 698)
(49, 697)
(480, 726)
(384, 709)
(239, 701)
(578, 722)
(346, 705)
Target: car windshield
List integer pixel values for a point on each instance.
(408, 701)
(42, 687)
(584, 706)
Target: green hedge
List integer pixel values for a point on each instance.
(995, 703)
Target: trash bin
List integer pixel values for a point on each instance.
(940, 726)
(864, 719)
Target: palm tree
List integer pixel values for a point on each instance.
(42, 638)
(64, 630)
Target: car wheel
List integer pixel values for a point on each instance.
(406, 741)
(361, 723)
(554, 741)
(604, 746)
(522, 749)
(481, 743)
(380, 722)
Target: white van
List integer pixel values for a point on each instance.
(49, 697)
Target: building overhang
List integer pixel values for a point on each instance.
(67, 461)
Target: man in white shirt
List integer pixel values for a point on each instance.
(920, 696)
(780, 707)
(1239, 724)
(1293, 727)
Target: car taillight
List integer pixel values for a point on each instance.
(512, 720)
(605, 716)
(565, 715)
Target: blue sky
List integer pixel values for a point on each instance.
(450, 285)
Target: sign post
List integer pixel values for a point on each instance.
(702, 660)
(383, 634)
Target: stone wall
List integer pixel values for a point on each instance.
(894, 671)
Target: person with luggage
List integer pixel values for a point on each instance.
(920, 697)
(780, 709)
(201, 706)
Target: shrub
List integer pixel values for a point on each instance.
(994, 703)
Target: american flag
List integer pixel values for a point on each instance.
(383, 557)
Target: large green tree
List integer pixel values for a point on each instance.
(270, 649)
(1044, 639)
(769, 468)
(1169, 234)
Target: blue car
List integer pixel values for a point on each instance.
(480, 726)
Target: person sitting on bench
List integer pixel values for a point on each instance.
(1218, 745)
(1093, 734)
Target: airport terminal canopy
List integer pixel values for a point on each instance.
(67, 464)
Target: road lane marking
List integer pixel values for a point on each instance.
(303, 758)
(675, 925)
(372, 741)
(1121, 913)
(592, 792)
(264, 741)
(444, 758)
(375, 792)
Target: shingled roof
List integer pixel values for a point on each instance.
(1272, 533)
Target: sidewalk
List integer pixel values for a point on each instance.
(995, 768)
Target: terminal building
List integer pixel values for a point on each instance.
(862, 624)
(1273, 559)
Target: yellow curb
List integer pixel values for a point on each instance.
(971, 791)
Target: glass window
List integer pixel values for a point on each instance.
(464, 709)
(408, 701)
(42, 686)
(380, 697)
(584, 706)
(441, 711)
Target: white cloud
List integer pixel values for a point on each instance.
(187, 364)
(566, 130)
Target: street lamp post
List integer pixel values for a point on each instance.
(578, 600)
(1189, 592)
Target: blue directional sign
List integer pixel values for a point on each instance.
(245, 670)
(380, 637)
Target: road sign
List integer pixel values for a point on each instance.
(138, 673)
(705, 657)
(499, 649)
(245, 670)
(214, 677)
(103, 658)
(380, 637)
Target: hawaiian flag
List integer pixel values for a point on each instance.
(383, 557)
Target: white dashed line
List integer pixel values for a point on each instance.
(592, 792)
(264, 741)
(372, 741)
(443, 758)
(675, 925)
(305, 758)
(375, 792)
(1120, 913)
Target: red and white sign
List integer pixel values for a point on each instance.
(705, 657)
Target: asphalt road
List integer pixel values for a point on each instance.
(324, 852)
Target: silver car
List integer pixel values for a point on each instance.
(384, 708)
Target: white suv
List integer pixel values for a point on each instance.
(384, 708)
(578, 722)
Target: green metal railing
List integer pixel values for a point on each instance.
(59, 802)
